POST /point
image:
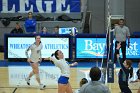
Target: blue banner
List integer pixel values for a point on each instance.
(41, 6)
(134, 50)
(95, 48)
(90, 47)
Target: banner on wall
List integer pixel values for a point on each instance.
(90, 47)
(50, 45)
(40, 6)
(95, 48)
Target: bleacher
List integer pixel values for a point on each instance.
(51, 19)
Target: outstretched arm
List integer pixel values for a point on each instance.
(53, 59)
(74, 64)
(48, 58)
(118, 55)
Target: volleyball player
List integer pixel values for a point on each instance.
(63, 81)
(34, 60)
(124, 73)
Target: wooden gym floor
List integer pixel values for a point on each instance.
(6, 88)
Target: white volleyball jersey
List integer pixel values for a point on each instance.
(63, 65)
(35, 52)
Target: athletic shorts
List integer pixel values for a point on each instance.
(35, 62)
(32, 62)
(63, 80)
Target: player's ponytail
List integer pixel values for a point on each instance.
(52, 55)
(56, 54)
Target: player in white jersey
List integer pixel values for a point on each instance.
(59, 60)
(34, 60)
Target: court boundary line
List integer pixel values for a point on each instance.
(14, 90)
